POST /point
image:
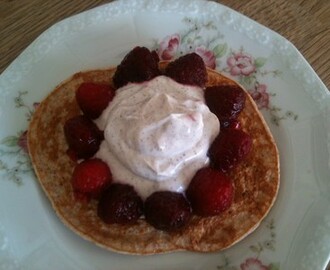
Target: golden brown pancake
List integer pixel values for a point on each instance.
(256, 181)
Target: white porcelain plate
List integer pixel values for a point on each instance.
(295, 103)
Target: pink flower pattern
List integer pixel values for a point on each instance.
(168, 47)
(17, 145)
(241, 64)
(253, 264)
(22, 142)
(207, 56)
(260, 96)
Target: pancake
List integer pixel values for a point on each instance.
(256, 180)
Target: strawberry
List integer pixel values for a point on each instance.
(120, 204)
(188, 69)
(138, 65)
(229, 148)
(225, 101)
(90, 178)
(93, 98)
(210, 192)
(82, 136)
(166, 210)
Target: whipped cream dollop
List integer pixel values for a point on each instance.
(157, 134)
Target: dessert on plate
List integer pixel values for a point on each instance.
(152, 157)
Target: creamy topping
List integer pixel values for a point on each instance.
(157, 134)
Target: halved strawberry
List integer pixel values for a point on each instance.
(229, 148)
(82, 136)
(226, 102)
(139, 65)
(166, 210)
(120, 204)
(210, 192)
(90, 178)
(93, 98)
(188, 69)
